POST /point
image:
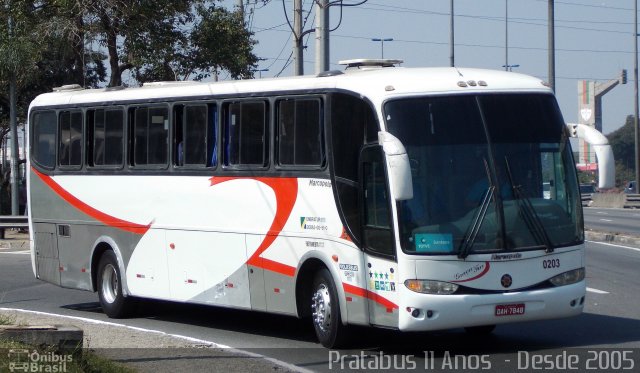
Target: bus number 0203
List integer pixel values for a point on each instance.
(551, 263)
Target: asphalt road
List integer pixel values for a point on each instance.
(624, 221)
(611, 320)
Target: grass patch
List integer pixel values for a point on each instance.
(7, 319)
(49, 361)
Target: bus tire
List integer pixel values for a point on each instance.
(113, 302)
(480, 330)
(325, 311)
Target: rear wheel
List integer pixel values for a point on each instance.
(112, 299)
(325, 311)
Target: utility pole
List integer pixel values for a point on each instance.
(297, 38)
(13, 125)
(240, 6)
(322, 36)
(14, 144)
(635, 93)
(552, 47)
(451, 38)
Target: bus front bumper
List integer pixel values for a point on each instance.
(423, 312)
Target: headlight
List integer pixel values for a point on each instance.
(567, 278)
(431, 287)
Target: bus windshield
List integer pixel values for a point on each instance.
(490, 173)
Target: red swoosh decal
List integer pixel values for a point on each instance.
(370, 295)
(92, 212)
(286, 190)
(484, 272)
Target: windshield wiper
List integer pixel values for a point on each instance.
(473, 229)
(529, 215)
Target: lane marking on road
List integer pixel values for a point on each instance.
(16, 252)
(602, 213)
(614, 245)
(592, 290)
(607, 220)
(183, 337)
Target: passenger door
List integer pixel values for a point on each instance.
(378, 239)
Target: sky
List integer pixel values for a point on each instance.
(594, 40)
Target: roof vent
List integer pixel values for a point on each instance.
(167, 83)
(325, 74)
(68, 87)
(366, 63)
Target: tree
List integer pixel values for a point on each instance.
(217, 40)
(622, 142)
(221, 41)
(163, 39)
(18, 50)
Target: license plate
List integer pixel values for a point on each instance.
(510, 309)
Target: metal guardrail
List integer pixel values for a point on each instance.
(13, 221)
(586, 199)
(632, 201)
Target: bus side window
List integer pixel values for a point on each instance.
(245, 131)
(351, 119)
(105, 130)
(377, 233)
(70, 139)
(178, 135)
(300, 133)
(151, 134)
(44, 138)
(195, 135)
(212, 135)
(192, 135)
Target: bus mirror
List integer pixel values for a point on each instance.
(398, 166)
(604, 153)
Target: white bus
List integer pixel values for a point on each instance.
(406, 198)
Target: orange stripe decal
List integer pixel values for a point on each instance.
(92, 212)
(272, 266)
(364, 293)
(286, 191)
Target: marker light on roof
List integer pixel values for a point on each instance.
(389, 88)
(472, 83)
(462, 84)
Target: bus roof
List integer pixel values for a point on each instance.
(377, 84)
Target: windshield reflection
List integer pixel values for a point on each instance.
(490, 173)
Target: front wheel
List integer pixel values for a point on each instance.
(112, 299)
(325, 311)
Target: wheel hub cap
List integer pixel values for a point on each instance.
(109, 283)
(321, 307)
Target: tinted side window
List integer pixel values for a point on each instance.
(70, 139)
(378, 236)
(43, 146)
(108, 137)
(245, 131)
(195, 135)
(352, 124)
(300, 141)
(151, 133)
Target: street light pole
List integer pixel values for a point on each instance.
(506, 35)
(552, 47)
(451, 39)
(382, 40)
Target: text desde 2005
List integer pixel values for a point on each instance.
(580, 360)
